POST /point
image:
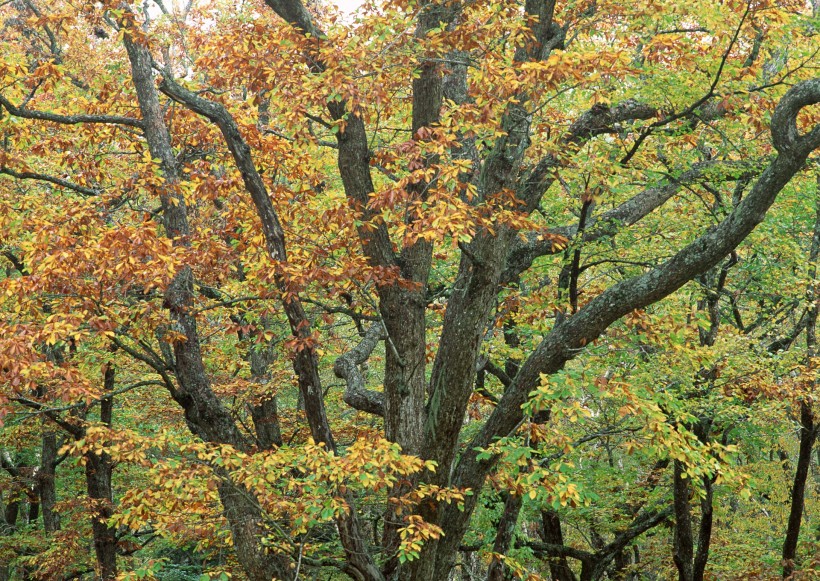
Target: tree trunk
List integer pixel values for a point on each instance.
(552, 534)
(266, 423)
(204, 412)
(808, 434)
(265, 414)
(46, 485)
(6, 529)
(505, 533)
(704, 530)
(568, 338)
(98, 469)
(683, 541)
(808, 428)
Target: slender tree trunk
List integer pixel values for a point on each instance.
(8, 526)
(808, 434)
(98, 470)
(265, 414)
(808, 428)
(505, 533)
(704, 530)
(553, 534)
(683, 540)
(46, 484)
(266, 423)
(691, 564)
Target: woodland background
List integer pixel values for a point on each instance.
(454, 289)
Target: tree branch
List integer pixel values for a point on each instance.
(28, 175)
(537, 244)
(68, 119)
(347, 367)
(569, 338)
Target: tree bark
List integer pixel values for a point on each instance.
(305, 361)
(808, 434)
(505, 533)
(98, 470)
(46, 484)
(204, 412)
(568, 338)
(553, 534)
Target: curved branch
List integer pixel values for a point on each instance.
(568, 339)
(554, 550)
(600, 120)
(347, 367)
(785, 136)
(641, 524)
(305, 362)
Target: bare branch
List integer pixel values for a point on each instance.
(347, 367)
(538, 244)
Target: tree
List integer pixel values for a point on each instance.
(198, 193)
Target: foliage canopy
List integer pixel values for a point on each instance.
(434, 290)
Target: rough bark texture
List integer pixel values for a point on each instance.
(553, 535)
(504, 535)
(485, 258)
(691, 563)
(347, 367)
(46, 486)
(569, 337)
(704, 530)
(265, 413)
(305, 361)
(204, 412)
(426, 418)
(265, 417)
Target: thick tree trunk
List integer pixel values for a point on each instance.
(468, 308)
(567, 339)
